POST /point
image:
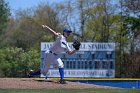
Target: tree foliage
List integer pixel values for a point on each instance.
(90, 21)
(15, 62)
(4, 16)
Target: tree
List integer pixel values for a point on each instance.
(15, 62)
(47, 14)
(102, 24)
(131, 6)
(4, 16)
(26, 31)
(131, 13)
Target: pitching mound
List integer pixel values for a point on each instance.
(31, 83)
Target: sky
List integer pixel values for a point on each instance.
(24, 4)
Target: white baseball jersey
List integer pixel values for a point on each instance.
(59, 45)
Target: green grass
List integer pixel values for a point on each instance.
(69, 90)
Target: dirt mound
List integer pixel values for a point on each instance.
(32, 83)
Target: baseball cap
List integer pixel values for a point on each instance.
(67, 30)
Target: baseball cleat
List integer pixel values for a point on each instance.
(46, 78)
(30, 74)
(62, 81)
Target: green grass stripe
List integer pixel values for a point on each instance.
(70, 90)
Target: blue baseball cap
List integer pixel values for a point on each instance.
(67, 30)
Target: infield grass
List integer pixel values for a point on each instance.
(69, 90)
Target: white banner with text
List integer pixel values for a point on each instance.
(85, 46)
(83, 73)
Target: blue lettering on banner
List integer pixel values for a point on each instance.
(86, 46)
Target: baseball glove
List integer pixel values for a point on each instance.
(76, 44)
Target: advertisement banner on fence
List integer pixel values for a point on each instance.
(85, 46)
(83, 73)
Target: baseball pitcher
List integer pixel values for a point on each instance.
(51, 55)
